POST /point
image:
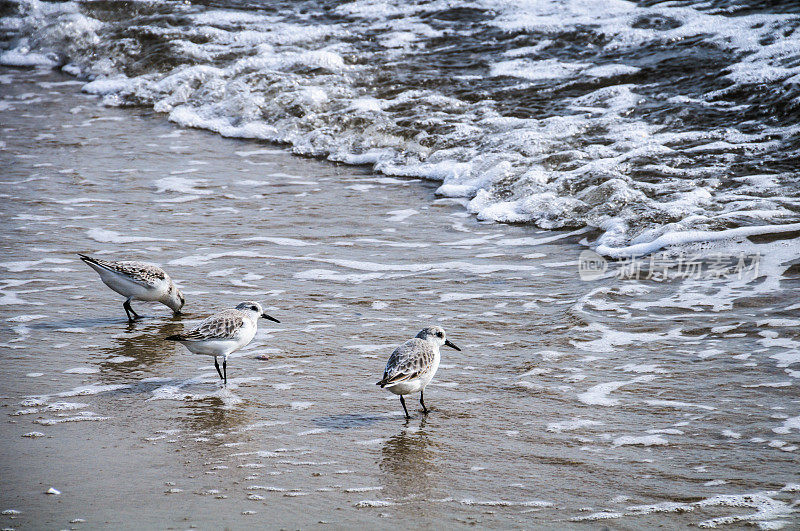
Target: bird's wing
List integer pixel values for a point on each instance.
(147, 275)
(408, 361)
(224, 325)
(142, 272)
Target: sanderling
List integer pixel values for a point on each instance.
(412, 365)
(137, 281)
(223, 333)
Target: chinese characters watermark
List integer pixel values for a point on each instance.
(670, 266)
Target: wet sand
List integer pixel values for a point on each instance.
(573, 404)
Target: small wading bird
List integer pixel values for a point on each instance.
(137, 281)
(223, 333)
(412, 365)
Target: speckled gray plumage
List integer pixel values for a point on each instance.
(224, 325)
(410, 360)
(147, 275)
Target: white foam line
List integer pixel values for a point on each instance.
(678, 404)
(260, 152)
(412, 268)
(691, 236)
(291, 242)
(540, 241)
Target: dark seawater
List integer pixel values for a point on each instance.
(640, 119)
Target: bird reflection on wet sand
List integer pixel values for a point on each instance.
(409, 464)
(140, 349)
(212, 416)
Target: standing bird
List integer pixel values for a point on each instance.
(137, 281)
(412, 365)
(223, 333)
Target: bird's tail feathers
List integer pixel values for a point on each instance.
(95, 263)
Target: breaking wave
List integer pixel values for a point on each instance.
(657, 123)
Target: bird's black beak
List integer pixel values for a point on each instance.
(265, 316)
(451, 345)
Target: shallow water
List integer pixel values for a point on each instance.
(627, 403)
(646, 120)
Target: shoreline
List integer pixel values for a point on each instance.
(567, 394)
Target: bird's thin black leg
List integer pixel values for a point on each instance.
(216, 364)
(129, 310)
(422, 403)
(225, 370)
(402, 401)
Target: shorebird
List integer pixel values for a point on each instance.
(223, 333)
(412, 365)
(137, 281)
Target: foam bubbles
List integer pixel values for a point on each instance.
(588, 148)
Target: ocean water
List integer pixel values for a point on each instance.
(651, 390)
(654, 122)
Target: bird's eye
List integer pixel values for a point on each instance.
(254, 308)
(439, 334)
